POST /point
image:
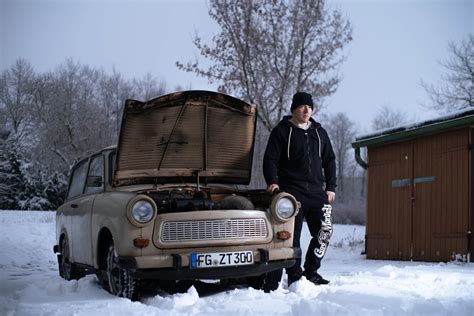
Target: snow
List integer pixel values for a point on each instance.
(30, 284)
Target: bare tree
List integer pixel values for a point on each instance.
(113, 91)
(261, 140)
(180, 87)
(16, 94)
(388, 117)
(342, 133)
(148, 87)
(269, 49)
(68, 117)
(5, 187)
(456, 89)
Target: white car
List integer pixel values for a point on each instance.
(164, 205)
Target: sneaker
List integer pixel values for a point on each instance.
(316, 278)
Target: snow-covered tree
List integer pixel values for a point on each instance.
(48, 121)
(22, 186)
(16, 94)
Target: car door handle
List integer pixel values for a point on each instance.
(74, 205)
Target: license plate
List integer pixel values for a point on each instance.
(220, 259)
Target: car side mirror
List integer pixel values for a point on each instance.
(94, 181)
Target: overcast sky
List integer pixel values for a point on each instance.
(396, 43)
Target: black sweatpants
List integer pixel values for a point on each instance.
(317, 212)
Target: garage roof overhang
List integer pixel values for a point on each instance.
(408, 132)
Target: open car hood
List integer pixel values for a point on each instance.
(181, 136)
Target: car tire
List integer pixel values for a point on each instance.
(101, 275)
(67, 269)
(120, 281)
(267, 282)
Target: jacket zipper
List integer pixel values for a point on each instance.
(309, 159)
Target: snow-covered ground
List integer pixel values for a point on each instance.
(30, 284)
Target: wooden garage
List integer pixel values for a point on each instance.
(420, 190)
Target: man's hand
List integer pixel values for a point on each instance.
(331, 196)
(273, 187)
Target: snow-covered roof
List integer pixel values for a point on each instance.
(109, 147)
(399, 132)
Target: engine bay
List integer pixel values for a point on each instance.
(188, 199)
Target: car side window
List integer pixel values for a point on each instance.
(96, 169)
(78, 180)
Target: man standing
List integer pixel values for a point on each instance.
(299, 159)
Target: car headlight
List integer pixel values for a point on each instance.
(284, 206)
(141, 211)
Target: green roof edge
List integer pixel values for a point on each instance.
(415, 132)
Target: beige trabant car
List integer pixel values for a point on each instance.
(168, 203)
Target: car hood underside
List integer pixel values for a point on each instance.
(186, 136)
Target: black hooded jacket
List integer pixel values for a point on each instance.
(300, 160)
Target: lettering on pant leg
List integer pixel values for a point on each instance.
(325, 232)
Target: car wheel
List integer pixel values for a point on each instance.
(266, 282)
(103, 279)
(67, 269)
(120, 281)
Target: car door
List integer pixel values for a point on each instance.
(82, 219)
(70, 208)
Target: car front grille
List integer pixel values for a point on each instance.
(176, 231)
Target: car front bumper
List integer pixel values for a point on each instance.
(177, 267)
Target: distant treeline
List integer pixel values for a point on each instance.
(50, 120)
